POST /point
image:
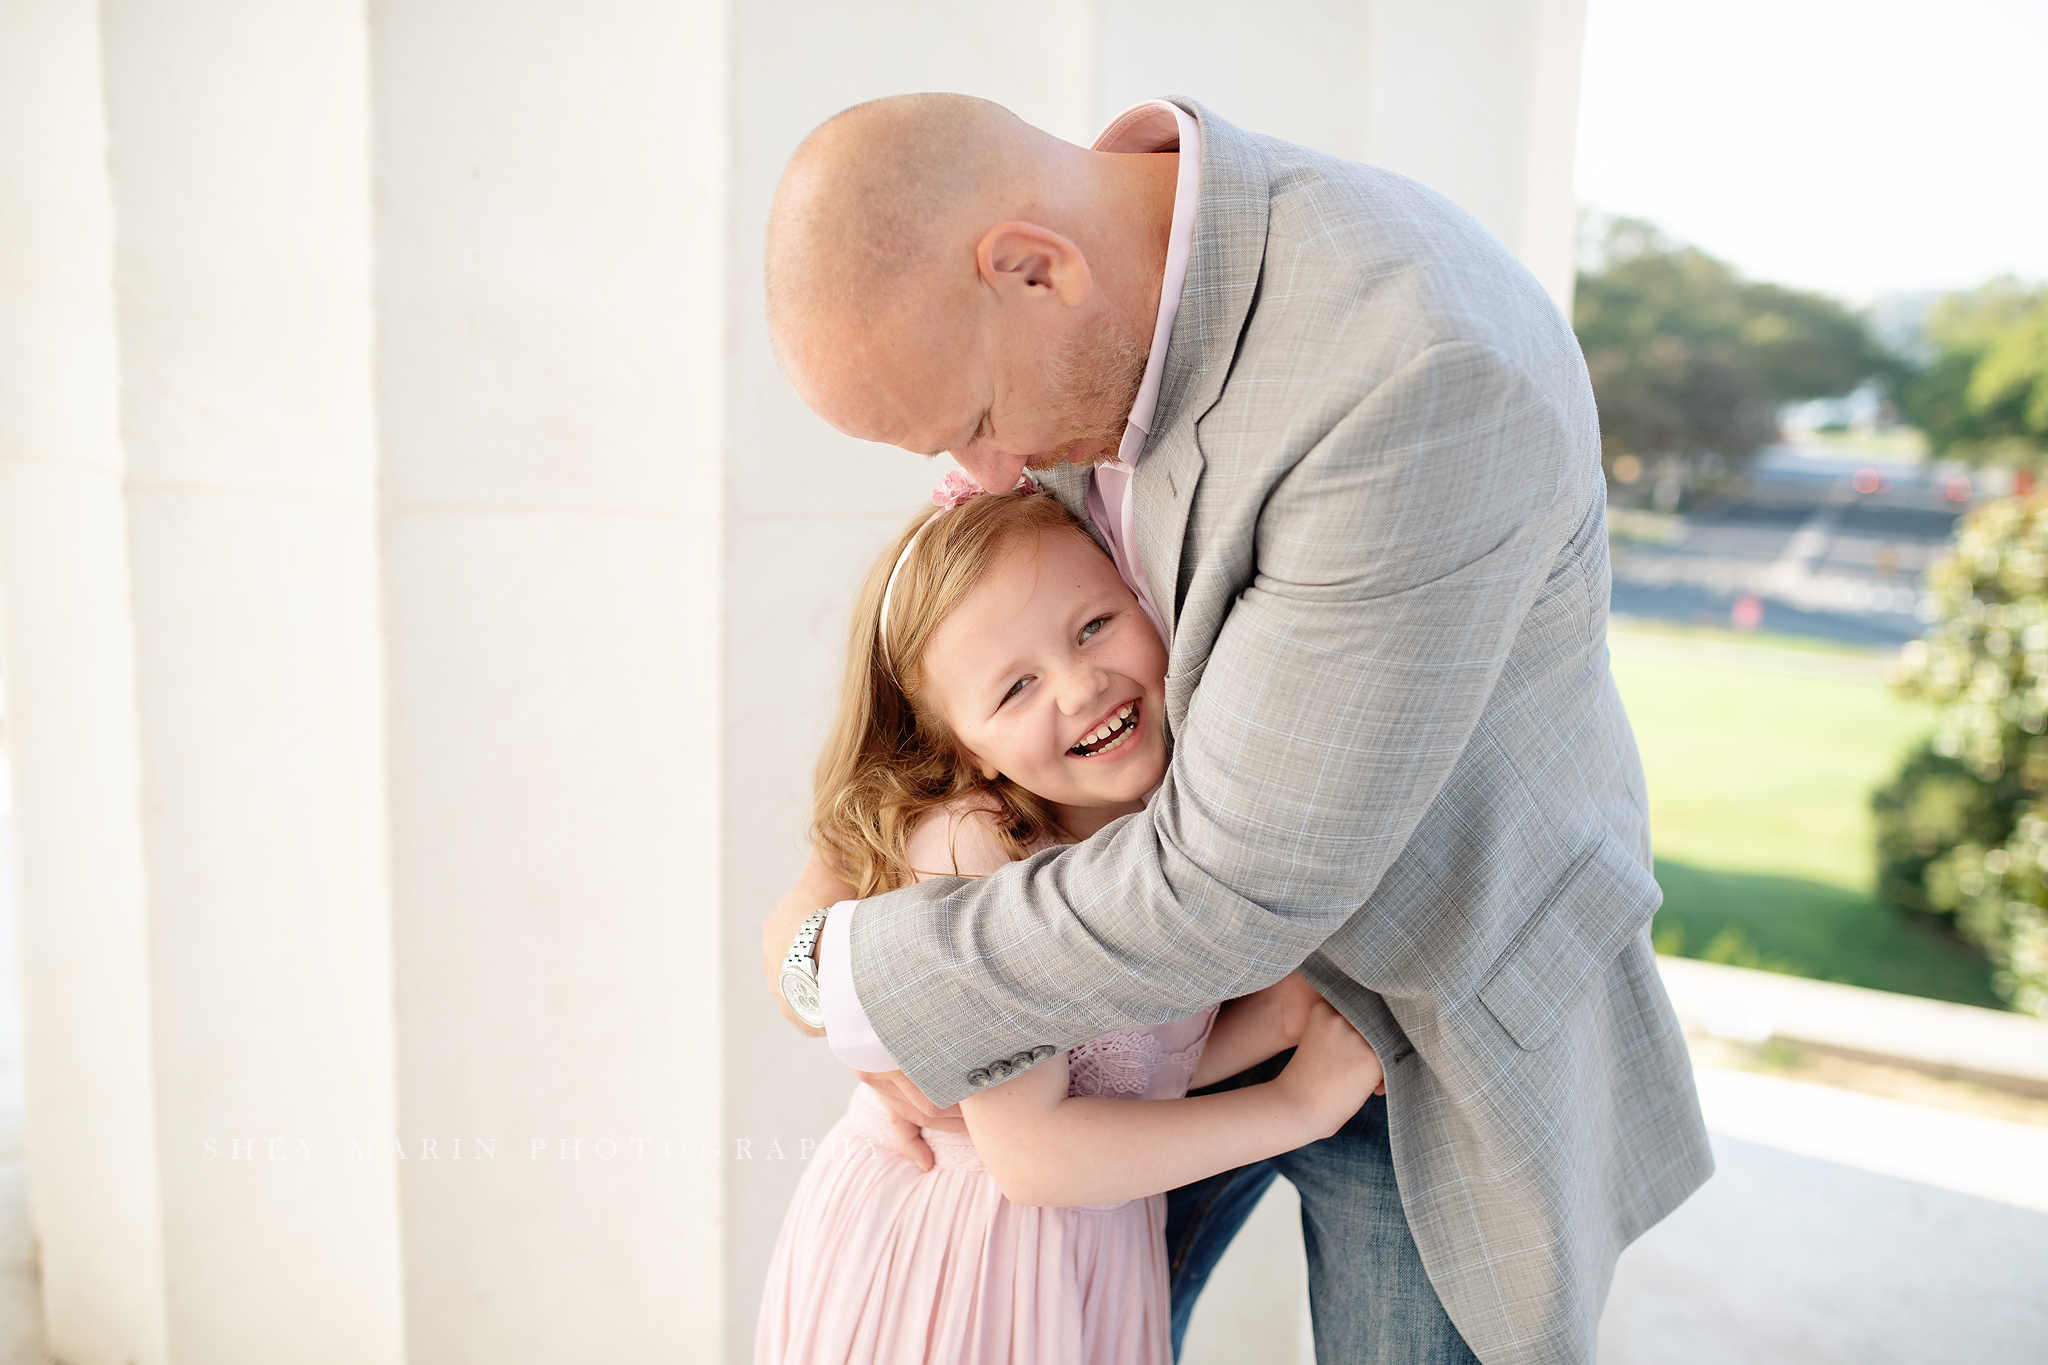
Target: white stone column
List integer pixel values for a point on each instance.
(72, 744)
(1480, 99)
(551, 368)
(238, 154)
(1477, 99)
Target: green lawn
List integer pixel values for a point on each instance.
(1759, 808)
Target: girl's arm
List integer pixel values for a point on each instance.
(1253, 1027)
(1043, 1146)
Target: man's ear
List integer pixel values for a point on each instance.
(1026, 261)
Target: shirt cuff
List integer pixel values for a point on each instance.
(847, 1030)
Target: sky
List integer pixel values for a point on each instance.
(1858, 148)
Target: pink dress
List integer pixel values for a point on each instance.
(880, 1263)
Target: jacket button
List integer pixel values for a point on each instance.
(1023, 1061)
(1042, 1051)
(977, 1077)
(999, 1070)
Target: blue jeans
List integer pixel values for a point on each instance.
(1372, 1301)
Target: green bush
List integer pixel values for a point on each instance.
(2000, 898)
(1963, 830)
(1934, 805)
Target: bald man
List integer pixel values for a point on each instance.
(1343, 448)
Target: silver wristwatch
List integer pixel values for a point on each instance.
(800, 973)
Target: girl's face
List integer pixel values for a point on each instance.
(1050, 673)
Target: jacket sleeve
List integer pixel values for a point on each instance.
(1393, 564)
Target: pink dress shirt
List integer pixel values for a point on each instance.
(1153, 126)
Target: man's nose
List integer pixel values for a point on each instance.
(995, 472)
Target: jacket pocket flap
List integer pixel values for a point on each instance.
(1599, 903)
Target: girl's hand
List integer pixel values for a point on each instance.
(910, 1113)
(1254, 1027)
(1279, 1012)
(1333, 1072)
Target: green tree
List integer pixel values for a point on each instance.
(1982, 396)
(1806, 345)
(1978, 852)
(1688, 359)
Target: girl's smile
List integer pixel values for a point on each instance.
(1112, 734)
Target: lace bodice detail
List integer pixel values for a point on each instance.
(1152, 1063)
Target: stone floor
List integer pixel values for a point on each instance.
(1783, 1258)
(1256, 1305)
(21, 1317)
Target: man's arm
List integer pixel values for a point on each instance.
(1395, 562)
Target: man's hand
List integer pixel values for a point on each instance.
(909, 1111)
(817, 888)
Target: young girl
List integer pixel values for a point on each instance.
(1003, 695)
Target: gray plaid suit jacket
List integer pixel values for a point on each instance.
(1372, 513)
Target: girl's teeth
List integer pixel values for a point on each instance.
(1116, 725)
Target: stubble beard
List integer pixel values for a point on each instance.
(1093, 377)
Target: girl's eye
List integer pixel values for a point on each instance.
(1097, 624)
(1015, 688)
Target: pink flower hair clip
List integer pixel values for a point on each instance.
(957, 487)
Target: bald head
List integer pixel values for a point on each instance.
(939, 270)
(878, 194)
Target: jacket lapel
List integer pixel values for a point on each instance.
(1223, 275)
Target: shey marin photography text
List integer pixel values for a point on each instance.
(261, 1149)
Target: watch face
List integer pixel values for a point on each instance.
(802, 994)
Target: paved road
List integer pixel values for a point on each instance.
(1823, 558)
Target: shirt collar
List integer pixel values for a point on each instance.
(1159, 126)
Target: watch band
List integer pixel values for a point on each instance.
(805, 946)
(799, 981)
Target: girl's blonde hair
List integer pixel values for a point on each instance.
(890, 757)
